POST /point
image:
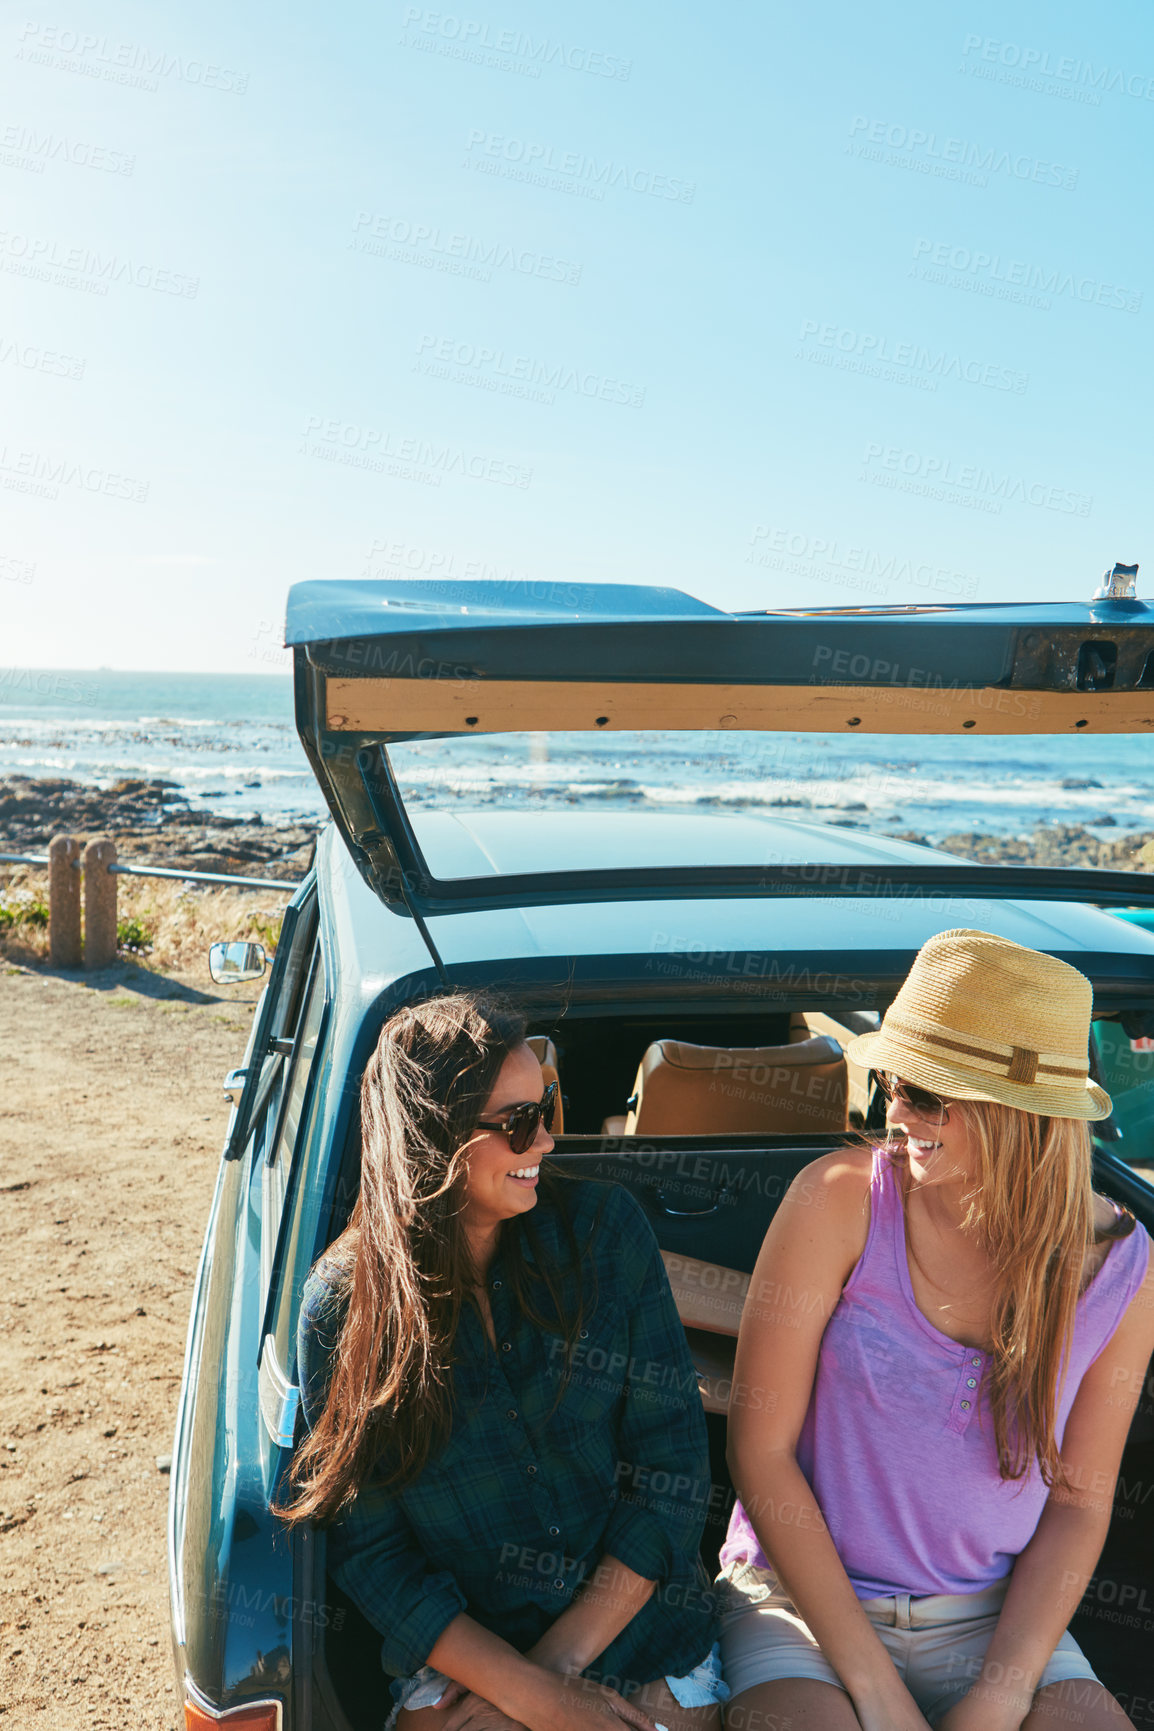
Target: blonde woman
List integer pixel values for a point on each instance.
(923, 1508)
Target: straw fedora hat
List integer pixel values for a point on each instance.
(981, 1018)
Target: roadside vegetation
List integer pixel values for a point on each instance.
(161, 924)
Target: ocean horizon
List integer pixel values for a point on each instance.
(227, 742)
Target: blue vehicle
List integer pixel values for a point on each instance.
(692, 977)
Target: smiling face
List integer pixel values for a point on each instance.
(500, 1184)
(937, 1150)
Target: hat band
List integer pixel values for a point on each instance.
(1023, 1064)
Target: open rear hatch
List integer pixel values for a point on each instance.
(382, 664)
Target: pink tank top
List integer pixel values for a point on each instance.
(896, 1443)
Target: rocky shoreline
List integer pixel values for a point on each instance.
(151, 825)
(1057, 844)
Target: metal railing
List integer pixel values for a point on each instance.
(93, 945)
(289, 885)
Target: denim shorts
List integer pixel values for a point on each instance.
(701, 1687)
(938, 1643)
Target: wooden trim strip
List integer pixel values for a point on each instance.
(400, 706)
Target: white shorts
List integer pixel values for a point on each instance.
(938, 1643)
(700, 1687)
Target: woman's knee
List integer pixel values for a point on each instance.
(791, 1704)
(658, 1700)
(1081, 1703)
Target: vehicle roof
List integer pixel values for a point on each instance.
(694, 946)
(473, 843)
(325, 610)
(377, 663)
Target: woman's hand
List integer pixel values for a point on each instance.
(997, 1711)
(471, 1713)
(895, 1710)
(886, 1719)
(577, 1704)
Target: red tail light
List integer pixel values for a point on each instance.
(253, 1716)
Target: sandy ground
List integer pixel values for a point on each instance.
(111, 1124)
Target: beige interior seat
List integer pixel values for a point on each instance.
(710, 1299)
(804, 1024)
(684, 1090)
(707, 1295)
(712, 1356)
(546, 1054)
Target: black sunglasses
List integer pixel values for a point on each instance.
(520, 1122)
(921, 1100)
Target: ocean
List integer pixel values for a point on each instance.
(227, 743)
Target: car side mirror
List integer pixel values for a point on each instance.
(230, 964)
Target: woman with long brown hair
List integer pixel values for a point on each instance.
(505, 1441)
(922, 1509)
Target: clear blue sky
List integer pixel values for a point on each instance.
(779, 305)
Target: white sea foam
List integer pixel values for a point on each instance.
(211, 735)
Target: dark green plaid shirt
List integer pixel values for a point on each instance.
(528, 1495)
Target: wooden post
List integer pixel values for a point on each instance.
(99, 903)
(63, 902)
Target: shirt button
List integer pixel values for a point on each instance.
(965, 1408)
(558, 1586)
(975, 1361)
(512, 1412)
(496, 1286)
(506, 1346)
(584, 1334)
(553, 1532)
(532, 1472)
(971, 1382)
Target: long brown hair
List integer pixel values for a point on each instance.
(1032, 1207)
(403, 1265)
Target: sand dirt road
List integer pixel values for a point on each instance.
(111, 1123)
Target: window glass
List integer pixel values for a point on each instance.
(775, 784)
(284, 1144)
(290, 970)
(1126, 1071)
(295, 975)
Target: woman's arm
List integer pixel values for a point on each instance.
(661, 1439)
(1052, 1573)
(607, 1600)
(813, 1243)
(529, 1694)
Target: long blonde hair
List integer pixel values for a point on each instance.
(1032, 1207)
